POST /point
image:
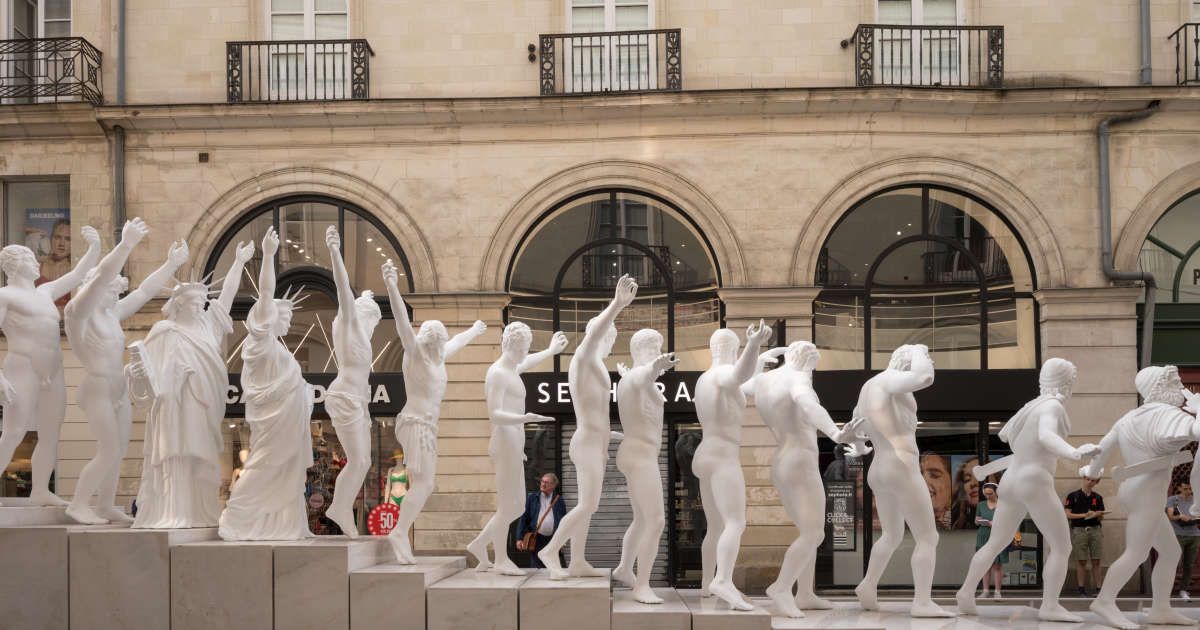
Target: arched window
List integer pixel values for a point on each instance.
(567, 266)
(1172, 253)
(930, 265)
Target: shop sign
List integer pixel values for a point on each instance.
(549, 392)
(387, 393)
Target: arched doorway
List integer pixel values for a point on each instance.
(937, 266)
(303, 263)
(563, 274)
(1171, 252)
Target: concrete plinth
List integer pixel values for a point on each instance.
(18, 512)
(576, 603)
(312, 579)
(218, 584)
(393, 595)
(628, 614)
(710, 613)
(480, 601)
(121, 578)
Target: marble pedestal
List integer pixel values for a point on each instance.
(628, 614)
(35, 573)
(219, 584)
(710, 613)
(575, 603)
(479, 601)
(121, 578)
(312, 579)
(393, 595)
(18, 512)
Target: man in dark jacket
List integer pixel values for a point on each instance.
(536, 504)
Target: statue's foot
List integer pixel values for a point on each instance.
(478, 548)
(1168, 616)
(785, 604)
(114, 515)
(84, 515)
(1109, 613)
(645, 595)
(508, 567)
(729, 594)
(47, 499)
(929, 609)
(704, 592)
(583, 569)
(809, 601)
(1054, 611)
(868, 596)
(344, 520)
(549, 560)
(966, 601)
(624, 575)
(401, 548)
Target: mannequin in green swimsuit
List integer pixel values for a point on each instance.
(983, 517)
(397, 482)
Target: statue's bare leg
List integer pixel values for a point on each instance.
(917, 509)
(1046, 510)
(51, 408)
(18, 412)
(708, 548)
(356, 441)
(589, 471)
(729, 497)
(641, 539)
(891, 519)
(1163, 577)
(1005, 522)
(805, 505)
(106, 499)
(510, 491)
(414, 500)
(102, 418)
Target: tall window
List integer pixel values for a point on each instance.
(613, 62)
(924, 264)
(294, 67)
(936, 53)
(29, 19)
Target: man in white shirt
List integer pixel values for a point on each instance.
(546, 499)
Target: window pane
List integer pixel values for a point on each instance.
(287, 6)
(331, 26)
(866, 231)
(947, 322)
(1011, 337)
(302, 232)
(57, 9)
(985, 234)
(24, 19)
(287, 27)
(633, 18)
(39, 217)
(252, 232)
(587, 3)
(365, 252)
(60, 28)
(331, 5)
(941, 12)
(895, 11)
(1172, 239)
(587, 20)
(838, 331)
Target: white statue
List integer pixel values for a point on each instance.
(349, 396)
(424, 367)
(720, 403)
(267, 503)
(32, 388)
(1037, 436)
(93, 322)
(591, 392)
(184, 381)
(506, 408)
(1149, 439)
(641, 406)
(889, 412)
(790, 408)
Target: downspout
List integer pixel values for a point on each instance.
(1106, 249)
(119, 132)
(1144, 25)
(121, 52)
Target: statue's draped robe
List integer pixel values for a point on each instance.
(267, 502)
(181, 469)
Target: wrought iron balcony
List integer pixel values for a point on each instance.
(1187, 57)
(49, 70)
(604, 63)
(928, 56)
(312, 70)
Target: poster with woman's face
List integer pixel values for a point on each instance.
(936, 471)
(966, 492)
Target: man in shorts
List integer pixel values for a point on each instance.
(1085, 509)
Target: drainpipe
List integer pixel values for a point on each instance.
(121, 52)
(1144, 24)
(1106, 250)
(118, 182)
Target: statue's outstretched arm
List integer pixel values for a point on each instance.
(73, 278)
(154, 283)
(88, 296)
(558, 343)
(233, 278)
(623, 296)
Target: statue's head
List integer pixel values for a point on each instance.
(1057, 377)
(284, 308)
(802, 355)
(115, 288)
(606, 342)
(724, 346)
(18, 261)
(368, 312)
(186, 301)
(432, 336)
(645, 346)
(901, 358)
(515, 341)
(1160, 384)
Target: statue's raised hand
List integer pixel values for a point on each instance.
(244, 252)
(134, 231)
(758, 334)
(178, 253)
(333, 240)
(90, 235)
(665, 362)
(390, 275)
(626, 290)
(558, 343)
(270, 243)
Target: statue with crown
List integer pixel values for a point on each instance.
(178, 374)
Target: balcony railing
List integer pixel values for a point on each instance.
(620, 61)
(1187, 59)
(312, 70)
(49, 70)
(601, 271)
(928, 56)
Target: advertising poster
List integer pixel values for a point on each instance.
(840, 515)
(48, 234)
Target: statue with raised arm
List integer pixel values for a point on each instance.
(720, 403)
(32, 388)
(349, 396)
(591, 392)
(183, 380)
(93, 321)
(505, 394)
(1149, 438)
(267, 502)
(791, 410)
(640, 404)
(889, 413)
(424, 367)
(1037, 435)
